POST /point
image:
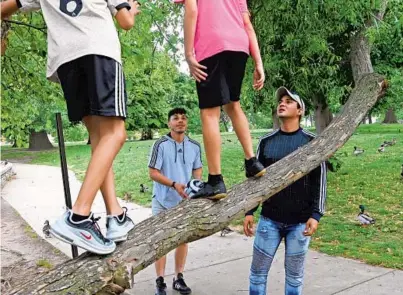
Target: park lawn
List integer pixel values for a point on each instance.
(371, 179)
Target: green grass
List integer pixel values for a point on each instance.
(44, 263)
(372, 179)
(30, 232)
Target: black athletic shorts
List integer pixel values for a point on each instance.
(93, 85)
(225, 72)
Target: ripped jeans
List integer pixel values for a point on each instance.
(269, 234)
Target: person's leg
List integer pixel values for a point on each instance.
(108, 186)
(160, 266)
(180, 260)
(241, 127)
(112, 136)
(210, 118)
(266, 243)
(235, 64)
(157, 208)
(296, 247)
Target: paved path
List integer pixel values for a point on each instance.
(216, 265)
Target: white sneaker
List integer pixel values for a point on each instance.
(118, 229)
(84, 234)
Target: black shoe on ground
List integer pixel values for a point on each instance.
(180, 285)
(217, 191)
(253, 168)
(161, 286)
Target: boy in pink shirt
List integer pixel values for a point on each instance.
(218, 39)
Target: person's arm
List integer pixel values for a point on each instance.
(154, 170)
(157, 176)
(9, 7)
(249, 221)
(125, 12)
(191, 12)
(197, 165)
(258, 75)
(318, 189)
(197, 173)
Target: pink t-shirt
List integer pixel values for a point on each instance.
(219, 27)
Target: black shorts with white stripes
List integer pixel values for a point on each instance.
(93, 85)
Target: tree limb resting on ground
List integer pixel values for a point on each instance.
(196, 219)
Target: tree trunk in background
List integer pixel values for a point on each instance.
(195, 219)
(390, 117)
(360, 55)
(39, 141)
(323, 115)
(146, 134)
(225, 120)
(5, 27)
(276, 121)
(370, 117)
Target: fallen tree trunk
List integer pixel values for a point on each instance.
(196, 219)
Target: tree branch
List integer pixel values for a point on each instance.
(196, 219)
(43, 29)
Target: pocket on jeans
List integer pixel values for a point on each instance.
(263, 232)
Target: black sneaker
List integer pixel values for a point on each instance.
(180, 285)
(212, 192)
(161, 286)
(253, 168)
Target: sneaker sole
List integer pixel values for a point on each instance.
(78, 243)
(261, 173)
(182, 293)
(218, 196)
(118, 239)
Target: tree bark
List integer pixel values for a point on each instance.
(370, 117)
(224, 119)
(360, 55)
(146, 134)
(275, 119)
(196, 219)
(5, 27)
(390, 117)
(323, 115)
(39, 141)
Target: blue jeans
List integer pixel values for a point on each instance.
(269, 234)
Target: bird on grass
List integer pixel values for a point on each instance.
(363, 218)
(225, 231)
(381, 149)
(143, 188)
(390, 143)
(358, 151)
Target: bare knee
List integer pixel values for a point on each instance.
(120, 136)
(210, 113)
(232, 108)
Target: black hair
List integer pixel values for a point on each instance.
(176, 111)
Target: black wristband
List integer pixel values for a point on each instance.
(173, 184)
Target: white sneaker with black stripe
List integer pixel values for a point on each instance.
(84, 234)
(118, 229)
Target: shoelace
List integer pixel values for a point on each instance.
(97, 229)
(181, 282)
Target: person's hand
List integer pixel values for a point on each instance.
(180, 188)
(248, 224)
(196, 69)
(258, 77)
(134, 7)
(311, 227)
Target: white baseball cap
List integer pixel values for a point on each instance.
(284, 91)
